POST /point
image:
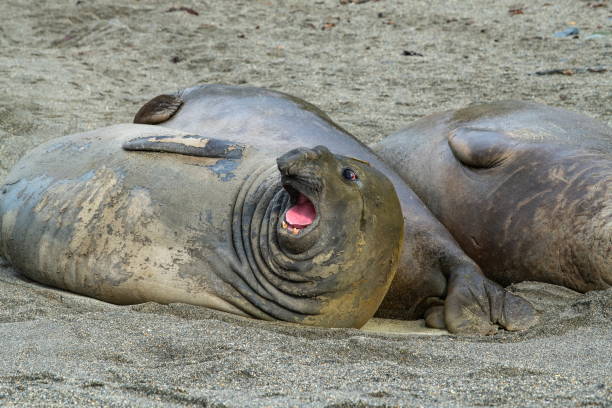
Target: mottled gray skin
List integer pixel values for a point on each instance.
(525, 189)
(164, 222)
(434, 275)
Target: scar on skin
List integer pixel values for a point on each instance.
(187, 141)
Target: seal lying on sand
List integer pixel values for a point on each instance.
(525, 189)
(432, 265)
(135, 213)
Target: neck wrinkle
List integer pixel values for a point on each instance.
(261, 282)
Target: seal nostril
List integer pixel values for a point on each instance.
(282, 164)
(292, 157)
(285, 162)
(322, 151)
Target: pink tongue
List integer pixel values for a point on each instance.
(302, 214)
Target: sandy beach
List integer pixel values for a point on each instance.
(373, 66)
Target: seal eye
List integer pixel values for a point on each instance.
(349, 174)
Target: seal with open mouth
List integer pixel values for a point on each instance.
(136, 213)
(434, 272)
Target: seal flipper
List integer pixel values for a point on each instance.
(189, 145)
(480, 148)
(158, 110)
(475, 304)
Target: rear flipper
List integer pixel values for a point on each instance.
(158, 110)
(475, 304)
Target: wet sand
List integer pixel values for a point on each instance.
(68, 66)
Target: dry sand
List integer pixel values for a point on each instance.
(68, 66)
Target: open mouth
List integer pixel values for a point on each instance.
(301, 214)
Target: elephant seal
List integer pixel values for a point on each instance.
(526, 189)
(435, 276)
(136, 213)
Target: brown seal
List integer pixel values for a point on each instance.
(136, 213)
(435, 276)
(526, 189)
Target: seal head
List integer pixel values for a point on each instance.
(338, 227)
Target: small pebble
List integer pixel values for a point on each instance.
(568, 32)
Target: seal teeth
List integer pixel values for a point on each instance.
(284, 225)
(295, 231)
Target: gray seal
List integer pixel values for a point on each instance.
(526, 189)
(136, 213)
(435, 279)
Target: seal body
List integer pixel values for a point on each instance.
(136, 213)
(526, 189)
(434, 272)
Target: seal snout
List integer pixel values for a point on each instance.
(292, 162)
(300, 171)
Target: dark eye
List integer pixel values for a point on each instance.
(349, 174)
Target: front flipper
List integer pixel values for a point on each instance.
(158, 110)
(475, 304)
(190, 145)
(480, 148)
